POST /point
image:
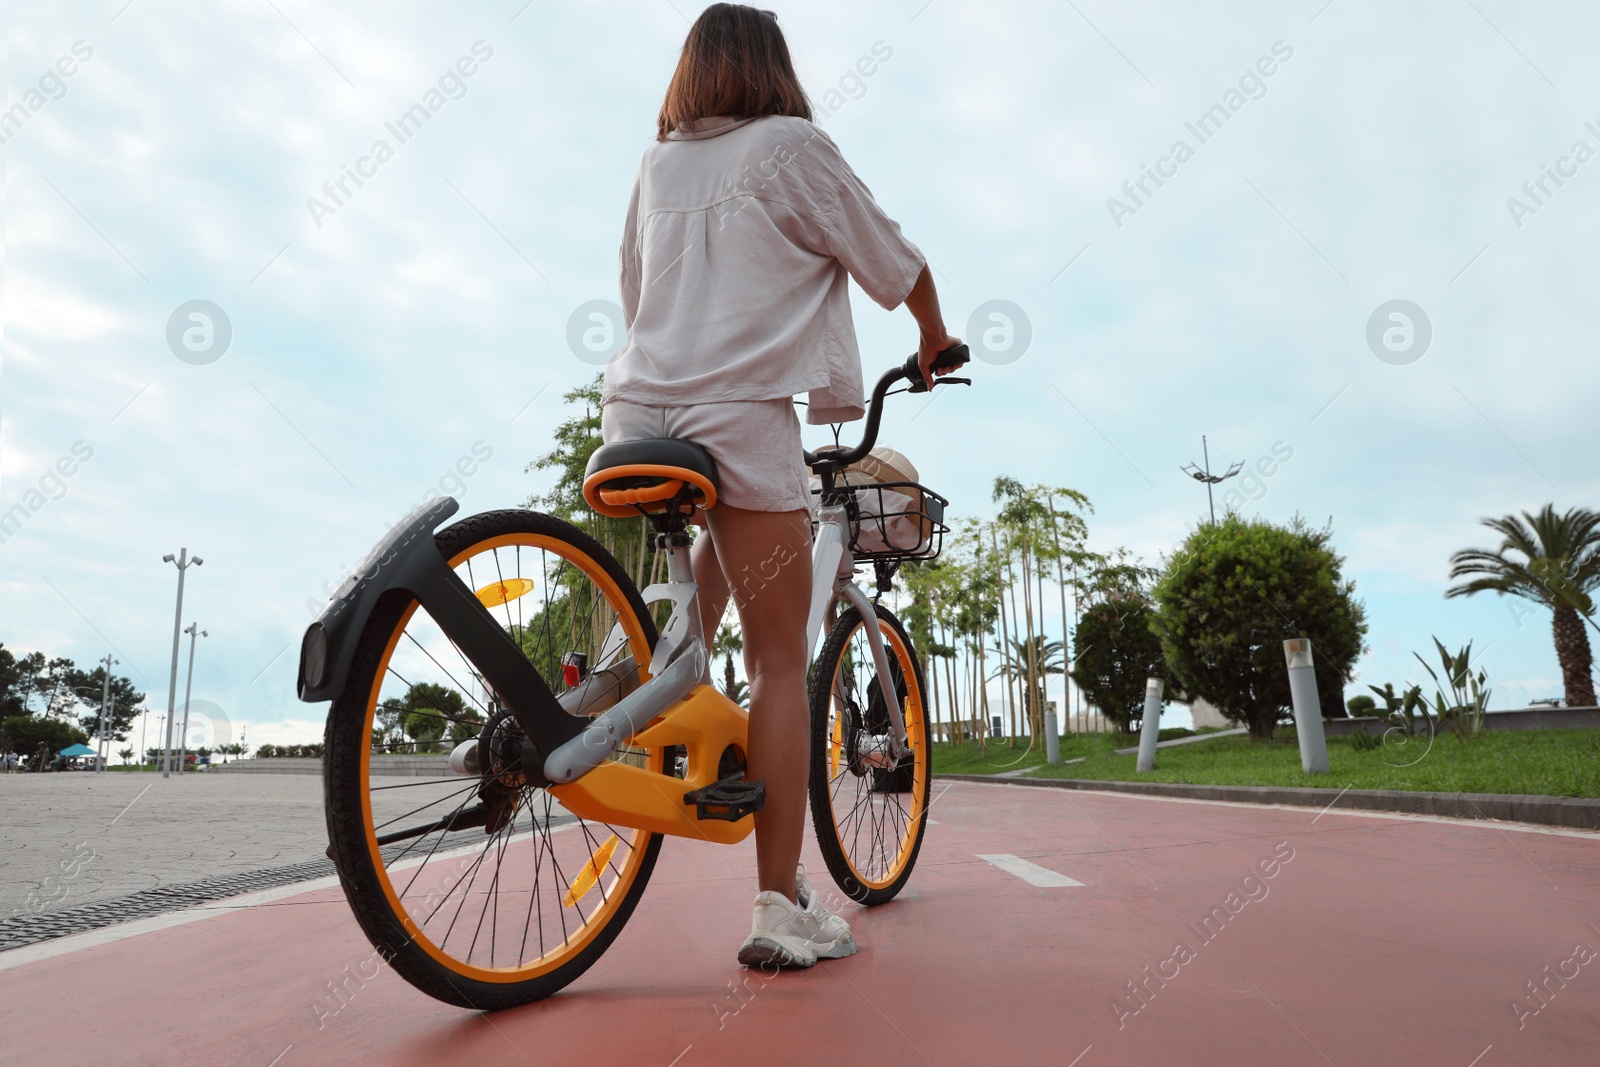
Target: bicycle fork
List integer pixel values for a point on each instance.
(829, 556)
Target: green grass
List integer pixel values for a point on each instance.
(1000, 756)
(1563, 763)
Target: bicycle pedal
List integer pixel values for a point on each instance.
(729, 800)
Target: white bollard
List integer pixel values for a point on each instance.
(1307, 709)
(1052, 734)
(1150, 732)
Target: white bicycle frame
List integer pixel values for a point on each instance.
(681, 661)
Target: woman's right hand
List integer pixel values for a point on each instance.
(930, 348)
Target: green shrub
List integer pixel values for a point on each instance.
(1365, 742)
(1231, 596)
(1116, 654)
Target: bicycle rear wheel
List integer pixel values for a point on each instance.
(869, 812)
(479, 889)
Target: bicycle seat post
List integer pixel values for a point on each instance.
(680, 570)
(671, 526)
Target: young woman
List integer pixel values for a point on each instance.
(744, 227)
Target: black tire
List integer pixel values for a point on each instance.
(364, 868)
(844, 801)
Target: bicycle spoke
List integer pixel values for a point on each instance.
(442, 715)
(461, 899)
(390, 822)
(446, 671)
(872, 824)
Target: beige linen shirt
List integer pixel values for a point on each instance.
(740, 239)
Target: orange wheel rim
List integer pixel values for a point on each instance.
(916, 739)
(597, 919)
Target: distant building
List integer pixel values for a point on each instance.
(1204, 714)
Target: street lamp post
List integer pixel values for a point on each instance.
(182, 562)
(105, 716)
(1210, 479)
(183, 738)
(100, 712)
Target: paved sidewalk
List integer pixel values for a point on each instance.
(69, 839)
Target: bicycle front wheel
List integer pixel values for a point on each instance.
(480, 889)
(869, 809)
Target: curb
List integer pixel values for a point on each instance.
(1578, 812)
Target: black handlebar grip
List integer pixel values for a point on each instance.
(951, 358)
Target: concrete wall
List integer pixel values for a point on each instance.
(1526, 719)
(431, 766)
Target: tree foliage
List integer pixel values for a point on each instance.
(56, 688)
(125, 700)
(14, 677)
(424, 726)
(1234, 593)
(574, 441)
(25, 733)
(1552, 560)
(1117, 652)
(429, 712)
(1361, 706)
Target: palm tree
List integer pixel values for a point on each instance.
(1045, 655)
(1559, 566)
(728, 641)
(126, 754)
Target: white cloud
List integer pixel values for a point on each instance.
(406, 328)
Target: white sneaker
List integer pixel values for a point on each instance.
(833, 926)
(790, 935)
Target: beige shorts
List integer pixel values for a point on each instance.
(756, 444)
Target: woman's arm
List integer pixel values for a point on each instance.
(923, 303)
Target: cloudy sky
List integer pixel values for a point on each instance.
(379, 335)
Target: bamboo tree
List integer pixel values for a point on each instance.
(1076, 546)
(1027, 609)
(949, 669)
(930, 651)
(1005, 633)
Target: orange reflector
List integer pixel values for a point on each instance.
(590, 875)
(496, 593)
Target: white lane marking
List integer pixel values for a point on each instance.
(1031, 873)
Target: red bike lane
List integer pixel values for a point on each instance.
(1198, 933)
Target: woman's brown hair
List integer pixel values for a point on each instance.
(735, 62)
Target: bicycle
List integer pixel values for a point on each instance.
(581, 718)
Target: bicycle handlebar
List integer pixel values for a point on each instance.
(909, 371)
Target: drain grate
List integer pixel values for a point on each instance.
(21, 930)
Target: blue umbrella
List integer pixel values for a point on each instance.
(76, 750)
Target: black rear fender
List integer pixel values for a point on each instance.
(408, 559)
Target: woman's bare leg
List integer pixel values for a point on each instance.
(710, 584)
(765, 561)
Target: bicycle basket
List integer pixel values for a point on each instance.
(893, 520)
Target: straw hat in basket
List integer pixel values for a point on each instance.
(881, 465)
